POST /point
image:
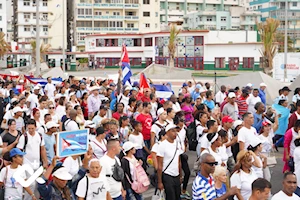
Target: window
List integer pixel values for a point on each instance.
(44, 17)
(130, 25)
(209, 19)
(198, 40)
(1, 6)
(294, 4)
(26, 15)
(147, 25)
(80, 11)
(88, 11)
(156, 25)
(219, 62)
(137, 42)
(146, 14)
(34, 28)
(45, 28)
(233, 63)
(146, 1)
(45, 2)
(223, 27)
(116, 13)
(45, 41)
(98, 13)
(156, 14)
(26, 28)
(107, 12)
(0, 18)
(148, 42)
(223, 19)
(26, 2)
(248, 63)
(33, 15)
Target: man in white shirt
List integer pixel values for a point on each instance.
(289, 184)
(247, 133)
(221, 95)
(252, 100)
(49, 88)
(261, 189)
(169, 165)
(32, 100)
(18, 113)
(100, 116)
(176, 106)
(71, 124)
(93, 101)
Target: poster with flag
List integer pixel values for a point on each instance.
(125, 65)
(70, 143)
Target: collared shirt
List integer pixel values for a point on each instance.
(262, 95)
(242, 105)
(203, 188)
(94, 103)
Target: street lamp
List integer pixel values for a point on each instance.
(285, 40)
(37, 47)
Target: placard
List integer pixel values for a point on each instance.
(70, 143)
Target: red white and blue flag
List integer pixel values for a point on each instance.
(126, 71)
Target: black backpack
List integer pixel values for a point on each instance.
(26, 140)
(66, 122)
(162, 130)
(191, 134)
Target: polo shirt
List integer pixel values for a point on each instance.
(203, 188)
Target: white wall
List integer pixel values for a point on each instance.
(3, 22)
(230, 36)
(293, 66)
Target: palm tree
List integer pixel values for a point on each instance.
(280, 41)
(44, 48)
(268, 32)
(4, 46)
(172, 43)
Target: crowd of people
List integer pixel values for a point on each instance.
(137, 138)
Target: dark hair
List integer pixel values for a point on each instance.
(208, 93)
(131, 99)
(297, 90)
(256, 106)
(177, 117)
(222, 133)
(145, 104)
(152, 95)
(46, 115)
(84, 94)
(31, 122)
(255, 89)
(297, 124)
(199, 115)
(43, 98)
(61, 100)
(298, 103)
(260, 184)
(99, 131)
(138, 104)
(77, 106)
(279, 91)
(210, 123)
(286, 174)
(251, 148)
(201, 107)
(169, 110)
(10, 121)
(297, 142)
(280, 102)
(121, 119)
(246, 115)
(121, 104)
(210, 136)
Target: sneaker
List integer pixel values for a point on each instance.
(185, 195)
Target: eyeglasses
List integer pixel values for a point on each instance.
(51, 107)
(212, 163)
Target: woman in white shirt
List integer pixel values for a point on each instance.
(99, 143)
(61, 108)
(54, 116)
(243, 175)
(73, 99)
(124, 127)
(79, 118)
(72, 163)
(256, 147)
(201, 119)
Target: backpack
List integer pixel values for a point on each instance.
(26, 140)
(162, 130)
(63, 128)
(66, 122)
(118, 172)
(191, 134)
(140, 179)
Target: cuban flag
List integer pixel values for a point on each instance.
(125, 64)
(162, 91)
(43, 81)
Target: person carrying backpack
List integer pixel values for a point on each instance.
(71, 124)
(136, 180)
(158, 126)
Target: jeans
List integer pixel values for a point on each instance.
(147, 143)
(172, 186)
(130, 195)
(186, 170)
(297, 192)
(118, 198)
(278, 140)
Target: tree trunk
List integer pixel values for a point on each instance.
(171, 62)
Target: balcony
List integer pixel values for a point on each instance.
(108, 5)
(129, 18)
(131, 29)
(131, 6)
(109, 17)
(88, 17)
(247, 23)
(105, 29)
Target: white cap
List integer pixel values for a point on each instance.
(94, 88)
(128, 145)
(71, 94)
(237, 123)
(160, 111)
(62, 174)
(21, 81)
(36, 87)
(170, 126)
(249, 85)
(202, 89)
(127, 88)
(262, 85)
(51, 124)
(254, 142)
(89, 124)
(13, 100)
(231, 95)
(17, 109)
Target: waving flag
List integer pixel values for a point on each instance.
(143, 82)
(163, 91)
(43, 81)
(126, 71)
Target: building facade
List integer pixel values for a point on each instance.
(3, 16)
(199, 50)
(236, 18)
(114, 16)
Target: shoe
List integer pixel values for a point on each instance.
(275, 147)
(185, 195)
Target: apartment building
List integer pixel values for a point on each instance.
(3, 14)
(114, 16)
(236, 18)
(276, 9)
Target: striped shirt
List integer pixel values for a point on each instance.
(242, 105)
(203, 188)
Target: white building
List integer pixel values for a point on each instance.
(3, 16)
(114, 16)
(203, 49)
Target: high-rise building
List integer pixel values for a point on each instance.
(276, 9)
(114, 16)
(3, 16)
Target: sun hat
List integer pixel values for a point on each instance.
(62, 174)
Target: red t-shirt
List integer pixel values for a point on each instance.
(145, 99)
(146, 121)
(117, 115)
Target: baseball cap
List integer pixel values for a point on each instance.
(184, 84)
(13, 100)
(135, 89)
(170, 127)
(128, 145)
(227, 119)
(103, 107)
(265, 123)
(198, 86)
(16, 151)
(231, 95)
(254, 142)
(236, 123)
(160, 111)
(51, 124)
(62, 174)
(112, 84)
(17, 109)
(89, 124)
(36, 87)
(127, 88)
(249, 85)
(245, 91)
(262, 85)
(286, 88)
(94, 88)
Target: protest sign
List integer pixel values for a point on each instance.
(71, 143)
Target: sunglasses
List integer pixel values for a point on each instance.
(51, 107)
(182, 120)
(212, 163)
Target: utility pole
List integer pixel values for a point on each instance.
(285, 40)
(38, 42)
(63, 33)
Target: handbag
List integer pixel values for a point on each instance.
(118, 172)
(271, 159)
(2, 189)
(158, 195)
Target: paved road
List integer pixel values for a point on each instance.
(275, 180)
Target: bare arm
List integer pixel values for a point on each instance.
(159, 172)
(108, 197)
(152, 140)
(44, 156)
(241, 145)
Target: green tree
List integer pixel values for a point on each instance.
(280, 41)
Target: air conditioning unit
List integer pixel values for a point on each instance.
(45, 33)
(26, 20)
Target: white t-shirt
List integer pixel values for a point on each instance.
(155, 147)
(247, 135)
(282, 196)
(50, 88)
(176, 107)
(138, 140)
(124, 100)
(71, 125)
(13, 189)
(167, 151)
(220, 97)
(19, 123)
(107, 164)
(204, 141)
(251, 101)
(99, 149)
(33, 99)
(216, 155)
(72, 165)
(199, 131)
(60, 111)
(292, 144)
(243, 181)
(34, 143)
(153, 110)
(297, 164)
(181, 139)
(259, 170)
(43, 112)
(97, 188)
(156, 129)
(266, 144)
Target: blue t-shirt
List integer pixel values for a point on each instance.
(49, 145)
(210, 104)
(220, 192)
